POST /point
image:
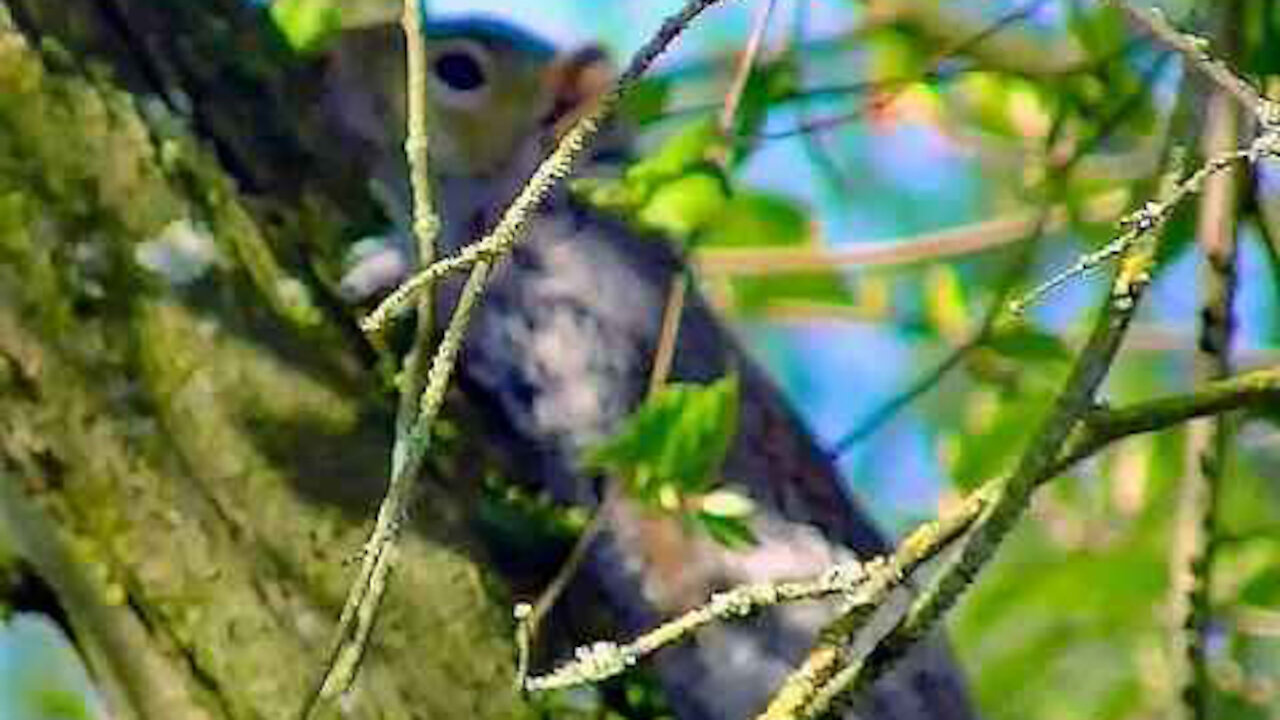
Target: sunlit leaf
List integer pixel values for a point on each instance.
(677, 438)
(679, 154)
(686, 205)
(1004, 105)
(944, 302)
(731, 532)
(893, 55)
(726, 503)
(307, 25)
(757, 219)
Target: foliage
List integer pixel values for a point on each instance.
(670, 450)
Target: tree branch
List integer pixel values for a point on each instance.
(1196, 52)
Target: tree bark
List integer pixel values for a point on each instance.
(191, 443)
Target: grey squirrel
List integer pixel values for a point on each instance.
(560, 349)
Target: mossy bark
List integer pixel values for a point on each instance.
(191, 442)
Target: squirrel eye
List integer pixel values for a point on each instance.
(459, 71)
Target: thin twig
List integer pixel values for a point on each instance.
(860, 584)
(1153, 214)
(892, 89)
(1196, 51)
(1208, 441)
(665, 352)
(1102, 425)
(1046, 220)
(378, 556)
(933, 246)
(360, 609)
(531, 619)
(426, 224)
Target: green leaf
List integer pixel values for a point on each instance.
(646, 101)
(679, 154)
(753, 296)
(733, 533)
(1024, 342)
(675, 190)
(1100, 29)
(992, 439)
(945, 306)
(1263, 589)
(893, 55)
(767, 85)
(307, 25)
(1004, 105)
(682, 207)
(758, 219)
(676, 441)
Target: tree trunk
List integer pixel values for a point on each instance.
(191, 443)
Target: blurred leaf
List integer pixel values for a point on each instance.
(676, 439)
(684, 151)
(1003, 105)
(726, 503)
(1045, 616)
(1024, 342)
(894, 55)
(1099, 28)
(753, 296)
(991, 441)
(731, 532)
(1261, 27)
(682, 207)
(307, 25)
(646, 101)
(1263, 589)
(769, 83)
(945, 307)
(758, 219)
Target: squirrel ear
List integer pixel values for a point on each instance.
(575, 81)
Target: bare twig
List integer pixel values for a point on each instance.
(360, 609)
(861, 585)
(1153, 215)
(926, 247)
(1044, 221)
(670, 332)
(1196, 51)
(1102, 425)
(1208, 441)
